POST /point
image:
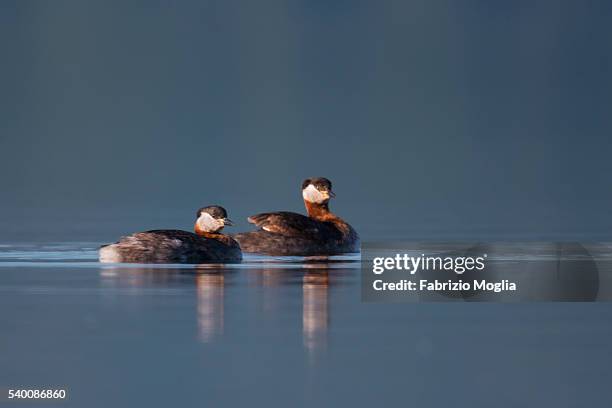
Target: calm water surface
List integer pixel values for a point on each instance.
(280, 332)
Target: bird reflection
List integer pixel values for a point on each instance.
(313, 275)
(277, 285)
(210, 289)
(315, 310)
(209, 282)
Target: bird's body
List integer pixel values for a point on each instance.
(286, 233)
(289, 233)
(176, 246)
(171, 246)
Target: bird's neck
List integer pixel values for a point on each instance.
(206, 234)
(319, 212)
(217, 236)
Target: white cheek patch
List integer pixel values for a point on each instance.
(313, 195)
(207, 223)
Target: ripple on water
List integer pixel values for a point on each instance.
(85, 255)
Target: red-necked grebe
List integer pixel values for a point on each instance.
(176, 246)
(288, 233)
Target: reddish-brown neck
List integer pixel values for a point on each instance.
(206, 234)
(319, 211)
(226, 239)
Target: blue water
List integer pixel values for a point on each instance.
(280, 332)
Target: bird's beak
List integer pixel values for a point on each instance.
(331, 194)
(228, 222)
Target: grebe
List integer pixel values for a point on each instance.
(288, 233)
(176, 246)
